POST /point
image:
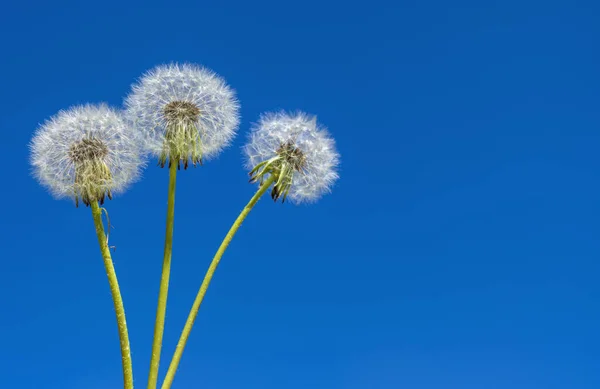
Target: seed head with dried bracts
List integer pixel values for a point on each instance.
(295, 149)
(85, 153)
(183, 113)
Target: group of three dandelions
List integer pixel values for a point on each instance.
(182, 115)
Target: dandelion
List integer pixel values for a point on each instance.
(87, 153)
(184, 113)
(295, 155)
(300, 155)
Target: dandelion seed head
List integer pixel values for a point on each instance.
(85, 153)
(183, 112)
(297, 149)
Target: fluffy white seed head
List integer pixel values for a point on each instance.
(295, 147)
(85, 153)
(183, 112)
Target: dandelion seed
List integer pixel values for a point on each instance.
(300, 154)
(85, 153)
(183, 113)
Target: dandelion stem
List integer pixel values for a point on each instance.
(116, 295)
(161, 309)
(207, 278)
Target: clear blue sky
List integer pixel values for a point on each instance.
(460, 248)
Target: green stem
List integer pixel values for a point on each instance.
(207, 278)
(161, 310)
(116, 296)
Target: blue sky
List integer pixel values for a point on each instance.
(460, 248)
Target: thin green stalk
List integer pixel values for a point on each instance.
(207, 278)
(116, 296)
(161, 310)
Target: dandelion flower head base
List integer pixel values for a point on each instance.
(289, 159)
(93, 179)
(181, 111)
(183, 141)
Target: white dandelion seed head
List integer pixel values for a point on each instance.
(313, 152)
(216, 117)
(84, 153)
